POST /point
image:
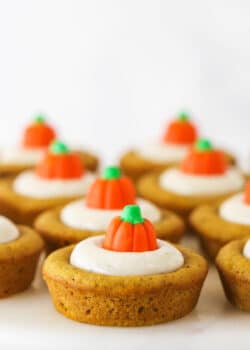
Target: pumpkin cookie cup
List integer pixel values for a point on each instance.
(234, 271)
(59, 164)
(36, 138)
(201, 162)
(18, 261)
(215, 229)
(124, 300)
(178, 137)
(110, 192)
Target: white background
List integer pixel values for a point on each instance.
(110, 73)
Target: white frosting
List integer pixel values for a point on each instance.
(89, 255)
(31, 185)
(29, 156)
(235, 210)
(246, 249)
(79, 216)
(8, 231)
(176, 181)
(163, 152)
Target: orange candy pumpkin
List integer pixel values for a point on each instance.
(130, 232)
(111, 191)
(247, 193)
(38, 134)
(60, 163)
(204, 160)
(180, 131)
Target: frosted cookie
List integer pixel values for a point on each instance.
(233, 264)
(203, 177)
(126, 278)
(20, 248)
(218, 225)
(36, 138)
(58, 178)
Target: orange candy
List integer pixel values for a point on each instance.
(202, 159)
(60, 163)
(38, 134)
(247, 193)
(112, 191)
(180, 131)
(130, 232)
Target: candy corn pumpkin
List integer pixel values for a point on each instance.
(111, 191)
(203, 159)
(60, 163)
(38, 134)
(247, 193)
(130, 232)
(180, 131)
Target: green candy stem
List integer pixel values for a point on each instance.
(111, 172)
(203, 145)
(183, 116)
(58, 147)
(132, 214)
(39, 119)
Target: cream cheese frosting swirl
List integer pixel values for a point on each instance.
(235, 210)
(31, 185)
(89, 255)
(8, 231)
(162, 152)
(174, 180)
(246, 249)
(79, 216)
(21, 155)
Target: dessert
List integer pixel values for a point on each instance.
(20, 248)
(128, 278)
(36, 138)
(169, 151)
(216, 225)
(58, 178)
(233, 264)
(90, 216)
(204, 176)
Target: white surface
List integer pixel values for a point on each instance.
(29, 318)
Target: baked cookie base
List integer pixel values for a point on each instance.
(234, 271)
(123, 301)
(135, 166)
(18, 261)
(56, 234)
(22, 209)
(214, 232)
